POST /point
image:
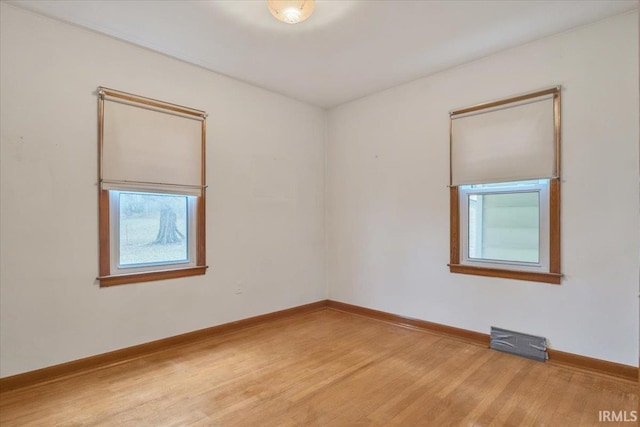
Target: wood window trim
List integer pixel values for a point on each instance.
(105, 277)
(150, 276)
(554, 276)
(506, 274)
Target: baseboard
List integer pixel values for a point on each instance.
(590, 364)
(469, 336)
(111, 358)
(100, 361)
(556, 357)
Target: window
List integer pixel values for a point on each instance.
(152, 189)
(506, 224)
(501, 226)
(151, 231)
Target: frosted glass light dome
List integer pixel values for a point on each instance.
(291, 11)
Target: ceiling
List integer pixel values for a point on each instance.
(345, 50)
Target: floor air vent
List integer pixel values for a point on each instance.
(524, 345)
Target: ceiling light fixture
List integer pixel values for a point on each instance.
(291, 11)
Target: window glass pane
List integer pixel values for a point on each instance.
(505, 226)
(153, 229)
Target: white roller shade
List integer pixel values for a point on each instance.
(511, 142)
(143, 145)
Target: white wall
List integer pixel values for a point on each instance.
(388, 201)
(265, 204)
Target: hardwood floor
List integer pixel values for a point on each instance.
(325, 368)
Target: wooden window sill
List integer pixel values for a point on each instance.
(553, 278)
(149, 276)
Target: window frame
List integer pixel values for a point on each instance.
(117, 268)
(553, 274)
(109, 274)
(542, 190)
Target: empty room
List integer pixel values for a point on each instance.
(319, 213)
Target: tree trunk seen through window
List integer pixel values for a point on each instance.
(168, 231)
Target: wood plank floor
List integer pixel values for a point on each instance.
(325, 368)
